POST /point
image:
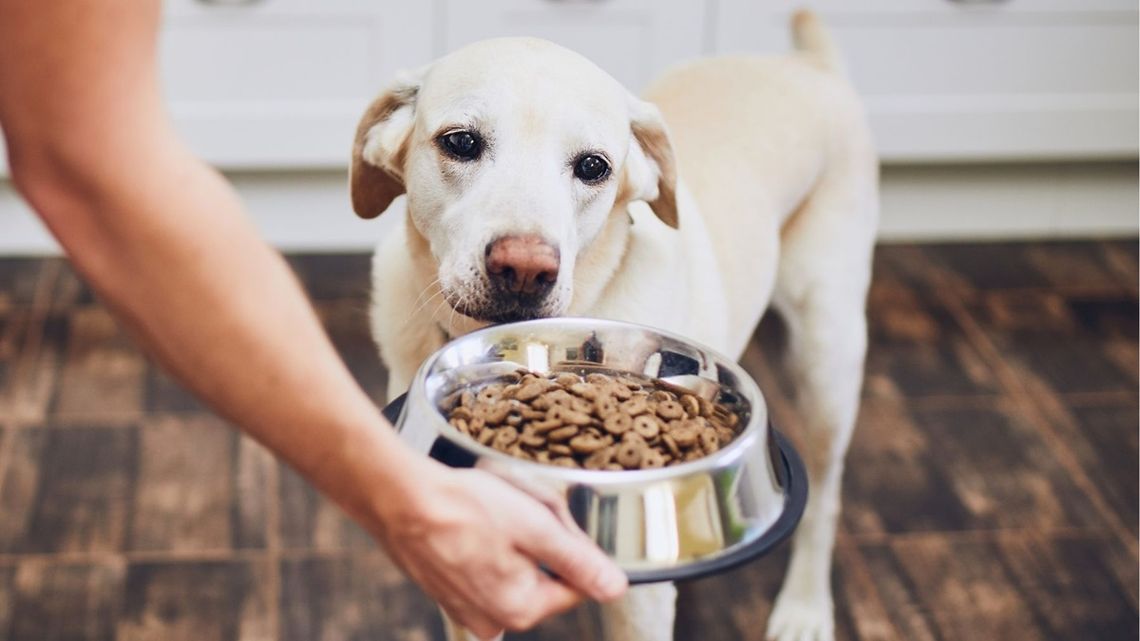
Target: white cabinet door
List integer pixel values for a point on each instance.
(281, 83)
(632, 39)
(946, 80)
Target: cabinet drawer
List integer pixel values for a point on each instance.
(631, 39)
(949, 80)
(280, 83)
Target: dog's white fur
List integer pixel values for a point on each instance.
(778, 205)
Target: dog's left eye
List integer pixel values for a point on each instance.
(462, 144)
(591, 168)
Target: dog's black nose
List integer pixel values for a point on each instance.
(522, 264)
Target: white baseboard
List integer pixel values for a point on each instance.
(309, 211)
(964, 202)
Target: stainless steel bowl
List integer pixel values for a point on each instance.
(663, 524)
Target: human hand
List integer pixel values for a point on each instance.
(473, 542)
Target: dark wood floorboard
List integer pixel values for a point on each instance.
(991, 487)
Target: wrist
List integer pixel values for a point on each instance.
(382, 479)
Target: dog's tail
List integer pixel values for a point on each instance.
(813, 40)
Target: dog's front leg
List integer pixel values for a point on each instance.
(828, 343)
(645, 613)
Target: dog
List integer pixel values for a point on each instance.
(537, 186)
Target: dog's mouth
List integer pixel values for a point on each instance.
(503, 306)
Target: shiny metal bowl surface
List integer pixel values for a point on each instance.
(662, 524)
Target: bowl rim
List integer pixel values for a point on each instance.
(757, 427)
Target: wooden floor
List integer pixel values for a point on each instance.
(991, 489)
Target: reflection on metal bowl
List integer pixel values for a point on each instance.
(665, 524)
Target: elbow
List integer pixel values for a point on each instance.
(50, 182)
(64, 193)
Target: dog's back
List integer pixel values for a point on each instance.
(754, 136)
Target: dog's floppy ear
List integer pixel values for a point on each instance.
(376, 177)
(650, 167)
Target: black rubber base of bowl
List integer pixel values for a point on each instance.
(793, 476)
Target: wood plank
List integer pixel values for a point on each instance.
(1104, 440)
(102, 376)
(164, 394)
(735, 605)
(68, 490)
(13, 326)
(961, 591)
(916, 350)
(1076, 266)
(254, 474)
(18, 486)
(29, 367)
(311, 522)
(346, 321)
(69, 290)
(1124, 257)
(948, 485)
(1069, 583)
(19, 278)
(65, 602)
(1017, 265)
(362, 596)
(334, 276)
(920, 350)
(7, 598)
(1050, 589)
(1058, 343)
(956, 469)
(188, 496)
(203, 601)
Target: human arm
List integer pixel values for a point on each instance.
(164, 241)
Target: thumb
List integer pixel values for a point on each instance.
(572, 556)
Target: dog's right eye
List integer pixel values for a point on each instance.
(464, 145)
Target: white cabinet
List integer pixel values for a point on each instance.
(966, 80)
(633, 40)
(281, 83)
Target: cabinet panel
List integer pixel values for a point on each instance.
(632, 39)
(976, 80)
(281, 83)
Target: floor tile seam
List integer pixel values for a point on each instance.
(1122, 399)
(241, 555)
(273, 547)
(7, 448)
(977, 534)
(109, 420)
(32, 342)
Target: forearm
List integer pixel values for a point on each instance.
(164, 241)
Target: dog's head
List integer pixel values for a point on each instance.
(513, 154)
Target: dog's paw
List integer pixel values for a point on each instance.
(797, 619)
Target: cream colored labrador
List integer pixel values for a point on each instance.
(538, 186)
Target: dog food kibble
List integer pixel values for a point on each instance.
(599, 422)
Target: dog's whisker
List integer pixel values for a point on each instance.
(421, 306)
(436, 310)
(426, 289)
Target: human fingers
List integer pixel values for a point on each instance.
(577, 561)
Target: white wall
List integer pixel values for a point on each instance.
(310, 211)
